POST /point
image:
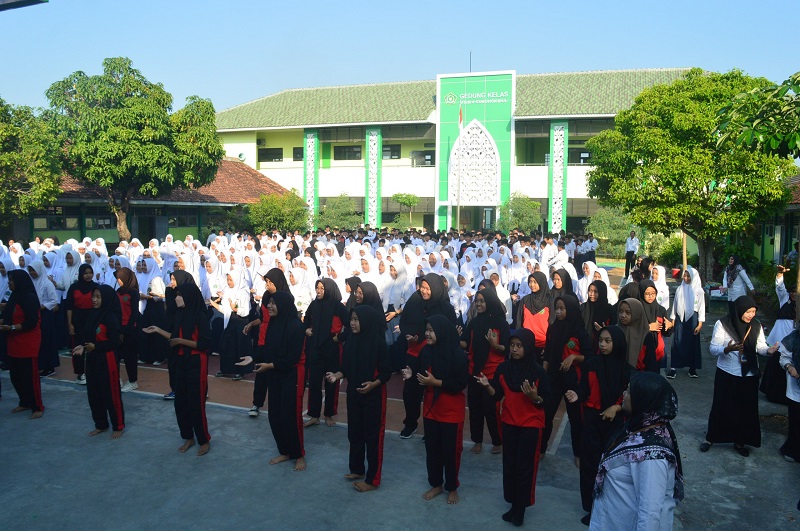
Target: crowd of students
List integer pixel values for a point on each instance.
(506, 327)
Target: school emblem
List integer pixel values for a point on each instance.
(571, 344)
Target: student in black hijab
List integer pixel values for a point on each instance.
(365, 364)
(597, 313)
(21, 322)
(190, 340)
(78, 306)
(521, 383)
(562, 285)
(656, 317)
(324, 322)
(430, 299)
(367, 294)
(534, 310)
(351, 284)
(102, 331)
(177, 278)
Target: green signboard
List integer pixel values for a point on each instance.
(474, 138)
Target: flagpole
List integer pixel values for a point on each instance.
(458, 170)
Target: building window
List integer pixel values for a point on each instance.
(346, 152)
(104, 223)
(297, 154)
(423, 158)
(270, 155)
(391, 151)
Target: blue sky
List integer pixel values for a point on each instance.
(234, 51)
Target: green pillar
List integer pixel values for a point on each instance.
(372, 186)
(311, 173)
(557, 174)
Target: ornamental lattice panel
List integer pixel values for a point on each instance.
(474, 168)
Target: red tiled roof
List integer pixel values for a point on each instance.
(794, 186)
(236, 183)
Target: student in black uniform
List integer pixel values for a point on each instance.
(365, 364)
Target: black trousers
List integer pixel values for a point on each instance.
(319, 361)
(594, 439)
(630, 261)
(129, 352)
(286, 410)
(482, 406)
(412, 395)
(102, 390)
(234, 345)
(443, 446)
(190, 377)
(366, 425)
(24, 374)
(520, 464)
(557, 390)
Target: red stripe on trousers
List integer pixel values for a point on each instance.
(113, 384)
(459, 449)
(204, 392)
(377, 480)
(298, 404)
(37, 385)
(536, 456)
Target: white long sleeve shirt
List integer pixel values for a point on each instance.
(632, 244)
(730, 362)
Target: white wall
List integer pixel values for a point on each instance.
(406, 180)
(241, 142)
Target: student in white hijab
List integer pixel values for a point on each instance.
(659, 277)
(235, 308)
(589, 268)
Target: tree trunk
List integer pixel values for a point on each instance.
(704, 249)
(121, 212)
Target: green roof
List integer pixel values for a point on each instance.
(564, 94)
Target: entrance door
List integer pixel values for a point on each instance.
(488, 218)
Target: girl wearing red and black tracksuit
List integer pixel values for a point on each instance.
(522, 384)
(128, 293)
(486, 340)
(190, 340)
(430, 299)
(534, 311)
(284, 363)
(604, 379)
(21, 322)
(365, 364)
(78, 306)
(324, 322)
(101, 335)
(568, 346)
(654, 314)
(443, 374)
(177, 278)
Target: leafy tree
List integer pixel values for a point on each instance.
(519, 212)
(765, 119)
(118, 134)
(661, 164)
(339, 211)
(29, 161)
(284, 212)
(406, 200)
(611, 226)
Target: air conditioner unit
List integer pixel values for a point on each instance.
(261, 142)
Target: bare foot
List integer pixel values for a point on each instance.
(497, 449)
(477, 448)
(96, 432)
(116, 434)
(19, 408)
(203, 450)
(313, 421)
(37, 414)
(432, 493)
(279, 459)
(363, 486)
(452, 497)
(187, 443)
(351, 477)
(577, 462)
(329, 422)
(300, 464)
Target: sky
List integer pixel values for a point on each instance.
(235, 51)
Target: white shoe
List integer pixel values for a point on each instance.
(130, 386)
(81, 380)
(157, 363)
(253, 411)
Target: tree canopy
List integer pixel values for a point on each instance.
(339, 211)
(406, 200)
(519, 212)
(118, 133)
(765, 119)
(612, 226)
(661, 165)
(29, 161)
(284, 212)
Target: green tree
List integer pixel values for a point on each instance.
(661, 165)
(612, 226)
(519, 212)
(765, 119)
(284, 212)
(407, 200)
(29, 161)
(339, 211)
(118, 133)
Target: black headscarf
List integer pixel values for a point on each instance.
(109, 314)
(417, 310)
(566, 284)
(277, 277)
(650, 309)
(645, 268)
(537, 301)
(24, 296)
(629, 291)
(494, 318)
(527, 368)
(365, 353)
(561, 331)
(186, 318)
(600, 311)
(372, 298)
(324, 310)
(181, 277)
(81, 284)
(446, 358)
(613, 370)
(747, 332)
(647, 434)
(353, 283)
(283, 341)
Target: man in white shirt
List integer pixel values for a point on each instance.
(631, 250)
